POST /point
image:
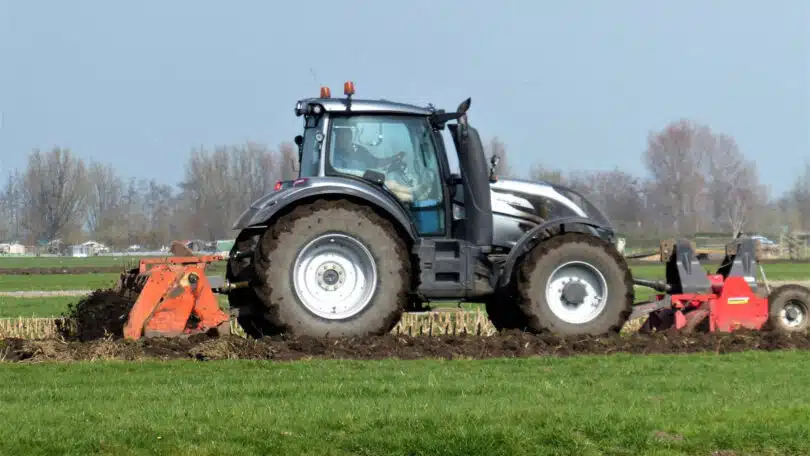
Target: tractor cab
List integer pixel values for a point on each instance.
(399, 148)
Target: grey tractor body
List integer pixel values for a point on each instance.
(481, 226)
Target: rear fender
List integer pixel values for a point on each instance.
(267, 209)
(536, 234)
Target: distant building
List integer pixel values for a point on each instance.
(12, 248)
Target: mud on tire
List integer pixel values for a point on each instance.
(280, 246)
(250, 317)
(587, 254)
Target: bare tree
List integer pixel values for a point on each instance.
(553, 176)
(497, 147)
(735, 192)
(220, 185)
(134, 213)
(11, 208)
(288, 161)
(54, 193)
(160, 214)
(104, 202)
(798, 200)
(675, 158)
(617, 193)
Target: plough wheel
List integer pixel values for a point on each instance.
(788, 307)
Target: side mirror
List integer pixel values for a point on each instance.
(454, 179)
(299, 141)
(493, 176)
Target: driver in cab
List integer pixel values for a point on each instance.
(355, 159)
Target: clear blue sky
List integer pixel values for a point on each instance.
(574, 84)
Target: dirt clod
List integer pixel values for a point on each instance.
(101, 313)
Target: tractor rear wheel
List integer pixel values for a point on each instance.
(574, 284)
(332, 268)
(789, 308)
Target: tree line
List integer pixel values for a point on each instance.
(696, 180)
(60, 196)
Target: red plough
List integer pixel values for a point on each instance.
(725, 301)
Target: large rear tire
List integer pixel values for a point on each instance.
(574, 284)
(332, 268)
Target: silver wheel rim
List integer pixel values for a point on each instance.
(592, 285)
(793, 314)
(335, 276)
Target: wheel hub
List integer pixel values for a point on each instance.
(576, 292)
(793, 314)
(331, 276)
(334, 276)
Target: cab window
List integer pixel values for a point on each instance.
(402, 149)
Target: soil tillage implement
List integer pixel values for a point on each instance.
(174, 297)
(725, 301)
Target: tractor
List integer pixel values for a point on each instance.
(377, 224)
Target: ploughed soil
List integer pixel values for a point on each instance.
(97, 322)
(281, 348)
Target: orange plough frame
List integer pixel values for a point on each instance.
(176, 300)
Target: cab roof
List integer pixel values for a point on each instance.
(360, 105)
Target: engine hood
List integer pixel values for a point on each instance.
(541, 201)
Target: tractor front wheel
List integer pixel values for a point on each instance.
(574, 284)
(333, 268)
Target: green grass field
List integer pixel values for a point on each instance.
(651, 405)
(66, 262)
(575, 406)
(56, 282)
(35, 307)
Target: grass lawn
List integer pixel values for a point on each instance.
(55, 282)
(577, 406)
(35, 307)
(66, 262)
(776, 271)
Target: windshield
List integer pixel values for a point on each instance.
(399, 147)
(311, 150)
